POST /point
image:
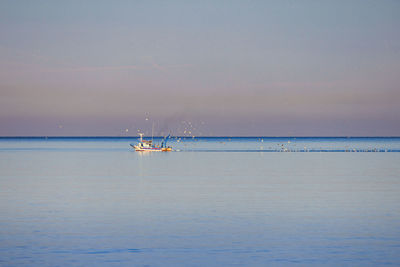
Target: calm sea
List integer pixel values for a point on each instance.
(212, 202)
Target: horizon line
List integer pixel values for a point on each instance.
(194, 137)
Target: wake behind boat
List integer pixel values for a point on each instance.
(147, 145)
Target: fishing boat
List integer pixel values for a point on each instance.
(147, 145)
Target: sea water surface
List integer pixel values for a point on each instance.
(212, 202)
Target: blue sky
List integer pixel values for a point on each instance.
(273, 68)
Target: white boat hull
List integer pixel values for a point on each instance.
(151, 149)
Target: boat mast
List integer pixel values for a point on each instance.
(152, 130)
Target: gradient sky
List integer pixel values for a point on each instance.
(271, 68)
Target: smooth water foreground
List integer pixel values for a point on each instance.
(81, 202)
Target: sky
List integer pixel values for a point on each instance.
(203, 68)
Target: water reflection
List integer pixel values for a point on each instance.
(106, 204)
